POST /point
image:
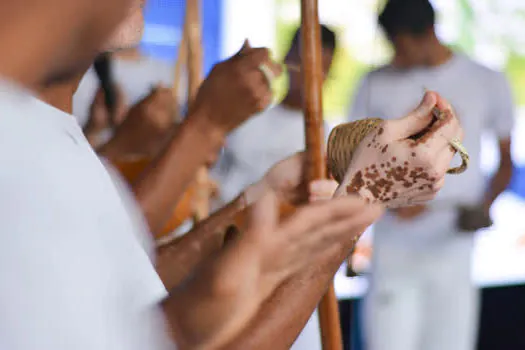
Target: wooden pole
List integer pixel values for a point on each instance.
(193, 26)
(311, 56)
(180, 64)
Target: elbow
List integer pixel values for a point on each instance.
(506, 168)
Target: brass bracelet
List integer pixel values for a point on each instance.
(459, 148)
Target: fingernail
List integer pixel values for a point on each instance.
(428, 99)
(316, 186)
(245, 45)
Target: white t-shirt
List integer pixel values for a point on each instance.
(135, 77)
(72, 273)
(257, 145)
(250, 151)
(483, 102)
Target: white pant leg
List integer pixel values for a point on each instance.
(451, 300)
(310, 337)
(393, 309)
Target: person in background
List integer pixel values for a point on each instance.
(272, 135)
(135, 75)
(421, 295)
(134, 78)
(268, 138)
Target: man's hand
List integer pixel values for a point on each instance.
(234, 90)
(409, 213)
(227, 291)
(99, 118)
(146, 126)
(285, 180)
(154, 112)
(472, 219)
(315, 230)
(392, 167)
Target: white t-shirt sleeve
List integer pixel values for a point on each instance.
(502, 113)
(156, 288)
(360, 104)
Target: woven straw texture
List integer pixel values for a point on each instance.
(342, 142)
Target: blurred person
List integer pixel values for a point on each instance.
(421, 294)
(105, 295)
(134, 75)
(268, 138)
(272, 135)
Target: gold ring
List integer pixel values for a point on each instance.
(268, 74)
(458, 147)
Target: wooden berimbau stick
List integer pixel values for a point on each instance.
(180, 64)
(311, 65)
(193, 26)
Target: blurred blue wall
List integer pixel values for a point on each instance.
(164, 21)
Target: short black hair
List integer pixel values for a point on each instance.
(407, 17)
(328, 38)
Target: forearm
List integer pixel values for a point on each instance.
(176, 261)
(284, 315)
(162, 185)
(214, 304)
(497, 185)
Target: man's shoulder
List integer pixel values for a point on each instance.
(384, 75)
(479, 69)
(26, 119)
(378, 73)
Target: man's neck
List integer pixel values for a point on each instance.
(131, 54)
(61, 95)
(438, 54)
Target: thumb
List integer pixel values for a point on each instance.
(245, 47)
(417, 120)
(322, 189)
(263, 216)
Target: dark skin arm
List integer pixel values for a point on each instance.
(234, 91)
(149, 130)
(175, 261)
(501, 179)
(164, 182)
(222, 297)
(290, 307)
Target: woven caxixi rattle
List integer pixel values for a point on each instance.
(345, 138)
